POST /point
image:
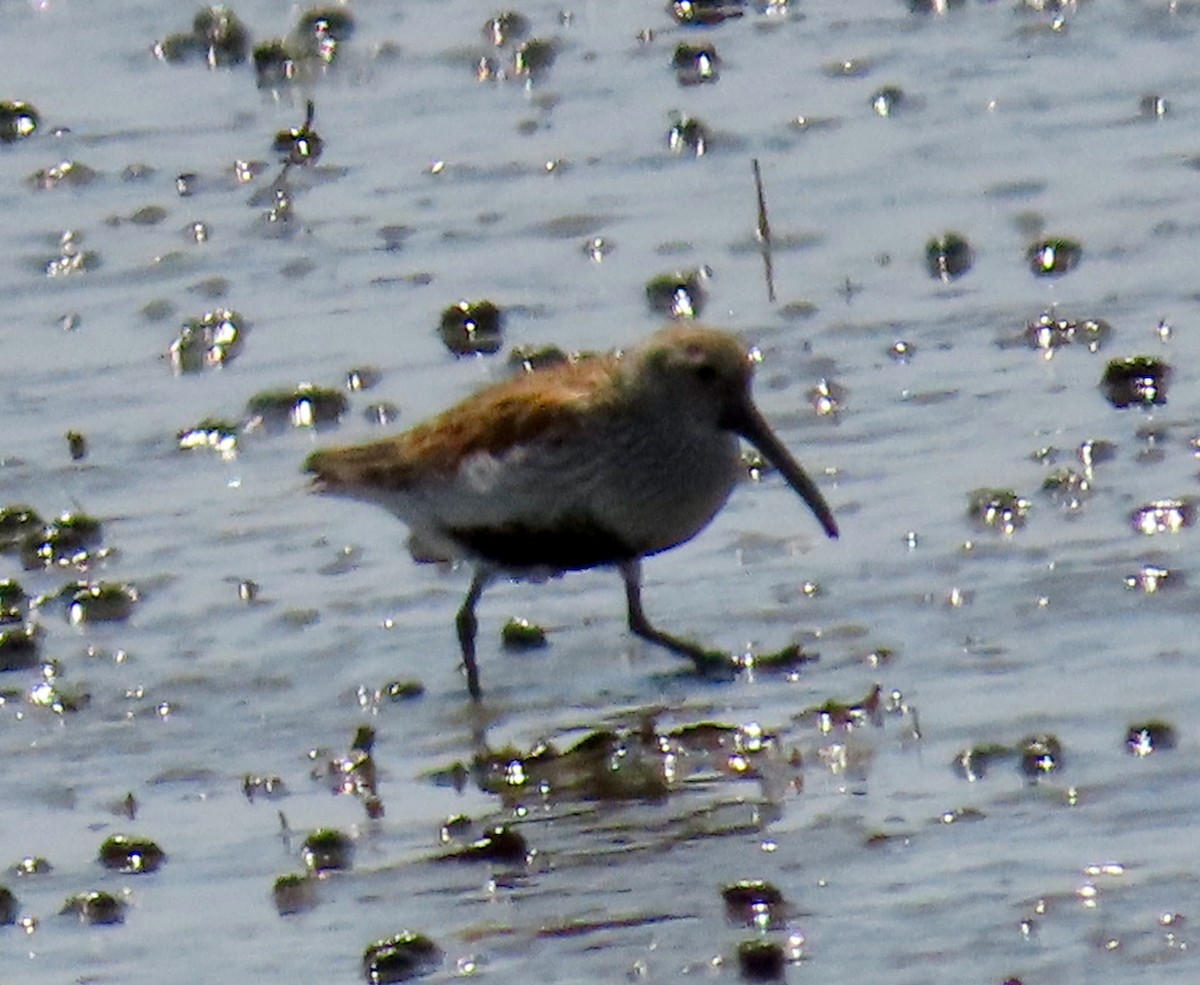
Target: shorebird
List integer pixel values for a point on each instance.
(600, 461)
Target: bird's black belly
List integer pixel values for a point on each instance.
(565, 546)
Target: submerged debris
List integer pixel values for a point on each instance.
(300, 145)
(72, 257)
(958, 815)
(100, 601)
(355, 773)
(68, 541)
(294, 893)
(77, 446)
(761, 960)
(1150, 579)
(500, 843)
(505, 28)
(827, 397)
(91, 601)
(381, 414)
(217, 38)
(389, 693)
(274, 64)
(213, 339)
(1035, 756)
(1053, 257)
(1095, 451)
(604, 765)
(1152, 106)
(1050, 333)
(305, 406)
(1068, 489)
(1163, 516)
(754, 903)
(17, 523)
(472, 328)
(326, 850)
(888, 101)
(521, 634)
(12, 601)
(222, 35)
(705, 13)
(998, 509)
(213, 434)
(597, 248)
(948, 256)
(839, 715)
(529, 358)
(533, 58)
(1138, 380)
(18, 120)
(1149, 737)
(313, 46)
(402, 691)
(8, 907)
(362, 378)
(18, 645)
(637, 762)
(680, 294)
(96, 908)
(31, 865)
(66, 174)
(688, 136)
(52, 694)
(320, 33)
(695, 64)
(269, 787)
(973, 764)
(1040, 755)
(935, 6)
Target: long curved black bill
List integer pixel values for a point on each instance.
(751, 425)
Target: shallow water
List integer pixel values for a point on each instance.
(1010, 128)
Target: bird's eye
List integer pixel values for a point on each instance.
(706, 372)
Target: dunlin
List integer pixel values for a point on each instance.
(600, 461)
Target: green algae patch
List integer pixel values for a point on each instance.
(400, 957)
(211, 434)
(521, 634)
(69, 541)
(306, 405)
(471, 328)
(131, 854)
(294, 893)
(327, 849)
(96, 908)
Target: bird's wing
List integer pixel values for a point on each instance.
(548, 405)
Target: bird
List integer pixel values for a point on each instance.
(597, 461)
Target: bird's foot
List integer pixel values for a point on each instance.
(720, 665)
(787, 660)
(714, 664)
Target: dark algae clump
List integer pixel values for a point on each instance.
(399, 958)
(472, 328)
(1139, 381)
(131, 854)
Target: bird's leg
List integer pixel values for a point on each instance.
(706, 661)
(467, 624)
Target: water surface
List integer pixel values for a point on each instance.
(1013, 126)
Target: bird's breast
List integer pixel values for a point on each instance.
(667, 492)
